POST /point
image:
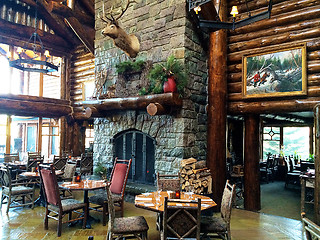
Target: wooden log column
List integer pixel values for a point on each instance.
(317, 162)
(251, 164)
(217, 112)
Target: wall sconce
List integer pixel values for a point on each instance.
(208, 17)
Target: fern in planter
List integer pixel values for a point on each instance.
(160, 73)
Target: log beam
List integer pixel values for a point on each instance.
(80, 31)
(34, 106)
(58, 28)
(275, 106)
(156, 109)
(66, 12)
(23, 33)
(132, 103)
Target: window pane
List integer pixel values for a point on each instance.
(296, 140)
(270, 146)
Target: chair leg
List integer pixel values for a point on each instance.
(85, 217)
(121, 207)
(59, 225)
(8, 204)
(46, 219)
(104, 214)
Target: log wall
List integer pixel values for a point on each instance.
(292, 22)
(81, 71)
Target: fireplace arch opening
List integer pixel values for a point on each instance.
(140, 147)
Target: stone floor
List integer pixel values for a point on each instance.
(25, 223)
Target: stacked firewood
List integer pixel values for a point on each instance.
(195, 176)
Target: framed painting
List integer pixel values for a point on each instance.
(275, 73)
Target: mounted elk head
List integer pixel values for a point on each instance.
(128, 43)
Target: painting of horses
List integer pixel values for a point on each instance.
(280, 72)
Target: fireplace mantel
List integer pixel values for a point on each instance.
(156, 104)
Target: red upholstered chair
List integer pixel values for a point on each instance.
(118, 181)
(57, 208)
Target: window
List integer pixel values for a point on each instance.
(89, 136)
(50, 137)
(271, 140)
(16, 81)
(286, 141)
(296, 141)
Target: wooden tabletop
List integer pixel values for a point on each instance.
(148, 200)
(84, 185)
(36, 174)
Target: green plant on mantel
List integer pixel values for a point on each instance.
(160, 73)
(130, 67)
(101, 170)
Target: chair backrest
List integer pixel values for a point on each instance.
(288, 165)
(5, 176)
(110, 208)
(168, 182)
(181, 222)
(50, 185)
(59, 162)
(312, 229)
(119, 176)
(86, 163)
(69, 170)
(33, 160)
(227, 201)
(10, 157)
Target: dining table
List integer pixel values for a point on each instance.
(84, 185)
(153, 201)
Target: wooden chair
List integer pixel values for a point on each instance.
(10, 157)
(124, 227)
(86, 163)
(59, 162)
(181, 222)
(119, 177)
(266, 170)
(69, 172)
(166, 182)
(212, 226)
(57, 208)
(169, 182)
(312, 230)
(292, 176)
(14, 192)
(33, 160)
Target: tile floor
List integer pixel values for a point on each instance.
(25, 223)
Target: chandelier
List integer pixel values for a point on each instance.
(207, 16)
(39, 60)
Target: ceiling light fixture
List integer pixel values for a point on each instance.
(39, 61)
(208, 17)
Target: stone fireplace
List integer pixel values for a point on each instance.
(155, 143)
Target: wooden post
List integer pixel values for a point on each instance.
(8, 134)
(316, 162)
(217, 112)
(251, 164)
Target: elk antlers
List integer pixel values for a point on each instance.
(113, 19)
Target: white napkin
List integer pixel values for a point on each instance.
(70, 185)
(143, 198)
(205, 205)
(206, 200)
(148, 204)
(146, 194)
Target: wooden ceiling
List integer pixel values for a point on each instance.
(61, 28)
